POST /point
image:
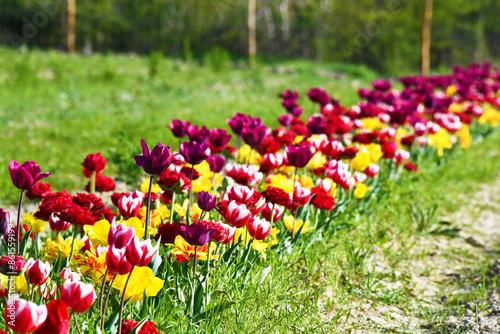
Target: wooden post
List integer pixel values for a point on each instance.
(426, 38)
(71, 25)
(252, 40)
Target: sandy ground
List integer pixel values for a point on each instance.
(441, 261)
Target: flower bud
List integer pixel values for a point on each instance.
(78, 296)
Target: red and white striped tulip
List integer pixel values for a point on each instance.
(120, 235)
(238, 215)
(259, 228)
(273, 211)
(78, 296)
(24, 317)
(129, 206)
(140, 253)
(117, 262)
(37, 271)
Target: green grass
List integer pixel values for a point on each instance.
(57, 108)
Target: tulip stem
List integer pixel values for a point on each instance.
(18, 229)
(92, 182)
(208, 270)
(103, 285)
(148, 214)
(75, 228)
(188, 217)
(194, 277)
(76, 323)
(293, 195)
(172, 209)
(106, 301)
(120, 317)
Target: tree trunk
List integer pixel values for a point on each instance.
(71, 25)
(426, 38)
(252, 39)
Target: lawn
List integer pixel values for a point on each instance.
(56, 108)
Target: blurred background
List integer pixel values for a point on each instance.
(386, 35)
(87, 76)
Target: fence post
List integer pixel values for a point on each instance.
(426, 37)
(71, 37)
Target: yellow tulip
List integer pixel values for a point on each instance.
(288, 220)
(98, 233)
(37, 225)
(182, 247)
(142, 279)
(21, 285)
(145, 187)
(52, 248)
(361, 190)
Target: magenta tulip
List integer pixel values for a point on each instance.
(26, 175)
(153, 162)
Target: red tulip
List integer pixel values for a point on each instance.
(37, 271)
(120, 235)
(301, 195)
(116, 261)
(259, 228)
(24, 317)
(26, 175)
(271, 161)
(57, 321)
(237, 215)
(78, 296)
(12, 265)
(94, 162)
(140, 253)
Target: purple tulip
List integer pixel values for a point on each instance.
(26, 175)
(238, 122)
(285, 120)
(179, 128)
(298, 156)
(197, 234)
(297, 111)
(290, 104)
(315, 125)
(198, 135)
(219, 137)
(216, 163)
(318, 95)
(206, 202)
(4, 221)
(381, 84)
(254, 136)
(155, 162)
(194, 152)
(288, 94)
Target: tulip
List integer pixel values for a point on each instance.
(237, 215)
(372, 170)
(120, 235)
(78, 296)
(194, 153)
(67, 274)
(26, 175)
(298, 156)
(240, 194)
(24, 317)
(271, 161)
(155, 162)
(117, 262)
(38, 271)
(206, 202)
(4, 221)
(12, 265)
(93, 163)
(301, 195)
(198, 135)
(259, 228)
(58, 225)
(179, 128)
(273, 212)
(238, 122)
(315, 125)
(38, 191)
(140, 253)
(197, 234)
(216, 163)
(219, 138)
(129, 206)
(285, 120)
(254, 136)
(57, 318)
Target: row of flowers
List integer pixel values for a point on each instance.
(228, 206)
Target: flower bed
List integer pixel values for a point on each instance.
(213, 208)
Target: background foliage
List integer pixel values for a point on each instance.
(383, 34)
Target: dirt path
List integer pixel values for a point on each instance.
(453, 281)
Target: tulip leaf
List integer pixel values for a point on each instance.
(215, 309)
(24, 241)
(155, 262)
(5, 248)
(198, 300)
(145, 305)
(137, 327)
(227, 255)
